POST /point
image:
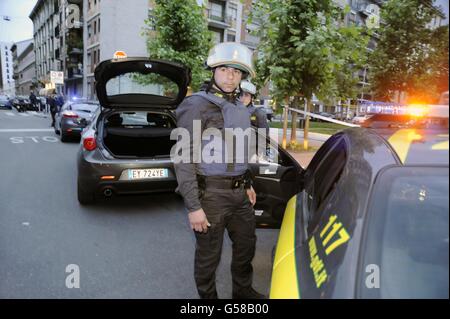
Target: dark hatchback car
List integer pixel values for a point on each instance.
(126, 148)
(22, 104)
(73, 117)
(371, 220)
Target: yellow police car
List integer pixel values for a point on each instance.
(372, 219)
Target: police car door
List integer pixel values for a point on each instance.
(277, 177)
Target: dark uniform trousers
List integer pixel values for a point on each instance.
(232, 210)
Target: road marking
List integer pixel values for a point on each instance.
(21, 139)
(24, 114)
(10, 113)
(26, 130)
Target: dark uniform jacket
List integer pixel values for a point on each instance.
(194, 108)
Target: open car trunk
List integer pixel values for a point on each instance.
(127, 135)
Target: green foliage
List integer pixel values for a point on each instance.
(410, 57)
(304, 50)
(178, 32)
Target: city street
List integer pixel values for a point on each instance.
(129, 247)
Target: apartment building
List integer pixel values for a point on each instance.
(110, 26)
(6, 70)
(58, 44)
(24, 67)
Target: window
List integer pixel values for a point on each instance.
(231, 38)
(322, 174)
(216, 11)
(95, 27)
(232, 12)
(407, 234)
(217, 35)
(89, 30)
(98, 24)
(143, 119)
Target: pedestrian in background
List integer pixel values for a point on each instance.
(51, 101)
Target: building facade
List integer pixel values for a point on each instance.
(111, 26)
(24, 67)
(6, 70)
(58, 44)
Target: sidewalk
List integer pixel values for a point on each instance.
(304, 158)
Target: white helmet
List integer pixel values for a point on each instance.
(248, 87)
(231, 54)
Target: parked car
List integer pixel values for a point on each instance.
(73, 117)
(126, 148)
(5, 103)
(360, 119)
(373, 212)
(21, 103)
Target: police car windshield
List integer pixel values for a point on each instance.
(408, 234)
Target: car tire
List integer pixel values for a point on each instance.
(84, 197)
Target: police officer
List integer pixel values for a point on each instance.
(258, 116)
(219, 196)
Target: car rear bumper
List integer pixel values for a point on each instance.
(71, 128)
(92, 166)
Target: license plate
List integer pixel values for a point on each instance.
(149, 173)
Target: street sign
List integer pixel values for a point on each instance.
(57, 77)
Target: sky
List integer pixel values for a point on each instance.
(20, 26)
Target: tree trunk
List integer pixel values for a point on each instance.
(285, 124)
(306, 129)
(294, 123)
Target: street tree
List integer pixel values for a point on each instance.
(178, 31)
(406, 54)
(303, 50)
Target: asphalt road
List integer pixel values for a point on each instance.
(125, 247)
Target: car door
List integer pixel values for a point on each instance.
(322, 229)
(276, 180)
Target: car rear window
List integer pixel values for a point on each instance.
(137, 83)
(408, 234)
(88, 108)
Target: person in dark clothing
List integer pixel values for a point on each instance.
(258, 116)
(53, 108)
(59, 101)
(33, 100)
(219, 195)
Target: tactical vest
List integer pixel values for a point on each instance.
(252, 111)
(234, 116)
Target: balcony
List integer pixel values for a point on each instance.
(222, 22)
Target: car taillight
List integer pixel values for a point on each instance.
(89, 144)
(70, 114)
